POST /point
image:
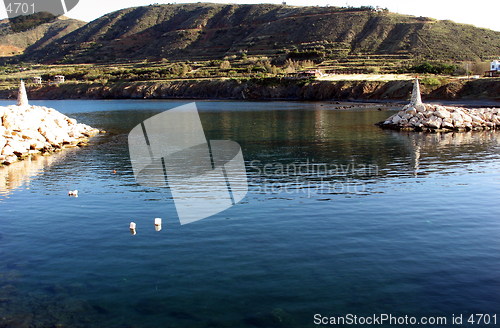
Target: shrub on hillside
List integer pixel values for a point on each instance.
(433, 81)
(438, 68)
(225, 65)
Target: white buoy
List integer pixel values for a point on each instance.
(132, 227)
(73, 193)
(157, 224)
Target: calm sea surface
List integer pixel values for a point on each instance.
(340, 218)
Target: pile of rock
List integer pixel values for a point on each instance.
(417, 116)
(27, 130)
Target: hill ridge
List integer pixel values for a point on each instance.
(37, 37)
(212, 31)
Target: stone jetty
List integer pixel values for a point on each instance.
(27, 130)
(417, 116)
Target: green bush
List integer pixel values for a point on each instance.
(437, 68)
(433, 81)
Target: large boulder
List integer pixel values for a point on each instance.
(407, 116)
(7, 150)
(396, 119)
(477, 119)
(442, 113)
(18, 147)
(447, 123)
(434, 122)
(411, 111)
(456, 116)
(420, 108)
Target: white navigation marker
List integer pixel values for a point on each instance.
(416, 98)
(22, 96)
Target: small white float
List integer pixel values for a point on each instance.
(157, 224)
(132, 227)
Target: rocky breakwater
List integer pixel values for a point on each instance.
(417, 116)
(27, 130)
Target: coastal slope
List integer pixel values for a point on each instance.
(210, 31)
(255, 89)
(36, 38)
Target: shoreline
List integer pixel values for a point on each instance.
(386, 102)
(444, 102)
(482, 92)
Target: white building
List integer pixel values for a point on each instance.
(37, 80)
(59, 79)
(495, 65)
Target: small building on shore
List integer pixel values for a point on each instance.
(495, 65)
(37, 80)
(494, 69)
(59, 79)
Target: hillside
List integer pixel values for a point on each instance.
(211, 31)
(14, 43)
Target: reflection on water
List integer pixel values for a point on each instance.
(20, 173)
(419, 238)
(450, 149)
(294, 147)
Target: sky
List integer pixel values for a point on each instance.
(481, 13)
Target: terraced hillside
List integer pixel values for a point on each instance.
(15, 43)
(212, 31)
